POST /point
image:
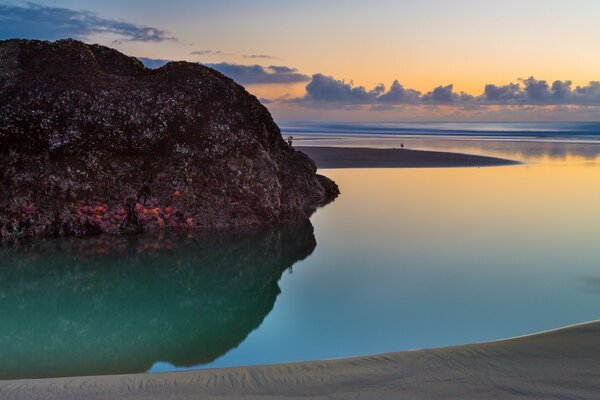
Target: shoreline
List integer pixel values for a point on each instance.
(559, 363)
(363, 157)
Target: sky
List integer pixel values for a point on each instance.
(351, 60)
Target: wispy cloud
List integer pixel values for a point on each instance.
(257, 74)
(260, 57)
(213, 53)
(246, 74)
(37, 21)
(207, 53)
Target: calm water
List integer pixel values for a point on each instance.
(530, 142)
(404, 259)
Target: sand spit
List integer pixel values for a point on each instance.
(361, 157)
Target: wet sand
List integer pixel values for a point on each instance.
(362, 157)
(561, 364)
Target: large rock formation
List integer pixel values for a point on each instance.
(91, 141)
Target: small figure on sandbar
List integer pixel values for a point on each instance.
(401, 145)
(290, 140)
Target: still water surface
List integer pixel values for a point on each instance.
(404, 259)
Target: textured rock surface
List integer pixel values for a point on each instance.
(91, 141)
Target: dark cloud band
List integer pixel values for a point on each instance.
(257, 74)
(328, 90)
(531, 91)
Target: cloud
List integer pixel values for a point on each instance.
(446, 95)
(328, 91)
(326, 88)
(35, 21)
(206, 52)
(257, 74)
(591, 91)
(209, 53)
(280, 69)
(260, 56)
(245, 74)
(532, 91)
(398, 94)
(441, 94)
(501, 93)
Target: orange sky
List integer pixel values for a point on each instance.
(468, 43)
(423, 44)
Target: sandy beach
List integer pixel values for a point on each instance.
(362, 157)
(560, 364)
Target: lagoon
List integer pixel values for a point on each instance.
(403, 259)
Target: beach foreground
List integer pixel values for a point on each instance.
(558, 364)
(362, 157)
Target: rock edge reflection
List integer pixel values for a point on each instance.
(117, 304)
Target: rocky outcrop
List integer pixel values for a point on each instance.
(91, 141)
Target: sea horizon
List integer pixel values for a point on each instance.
(531, 130)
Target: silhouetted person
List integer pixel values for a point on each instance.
(289, 140)
(401, 145)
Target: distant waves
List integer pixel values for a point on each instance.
(552, 130)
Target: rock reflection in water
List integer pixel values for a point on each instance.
(119, 304)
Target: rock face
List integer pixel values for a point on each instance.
(91, 141)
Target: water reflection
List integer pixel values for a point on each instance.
(119, 304)
(522, 149)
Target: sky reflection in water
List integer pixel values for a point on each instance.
(405, 259)
(419, 258)
(531, 142)
(426, 258)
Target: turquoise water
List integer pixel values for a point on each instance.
(120, 304)
(404, 259)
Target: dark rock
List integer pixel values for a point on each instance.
(85, 129)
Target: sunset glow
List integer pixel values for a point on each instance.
(423, 45)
